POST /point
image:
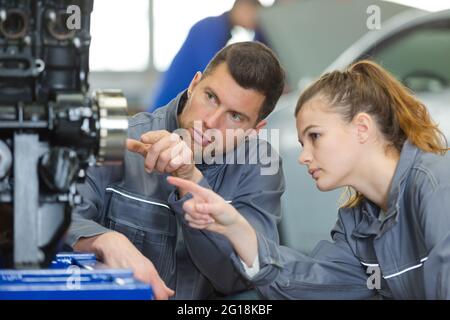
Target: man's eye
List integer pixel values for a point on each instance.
(236, 117)
(211, 97)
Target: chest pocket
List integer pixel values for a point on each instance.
(148, 223)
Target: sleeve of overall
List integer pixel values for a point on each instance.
(332, 271)
(86, 217)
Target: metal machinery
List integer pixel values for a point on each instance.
(51, 128)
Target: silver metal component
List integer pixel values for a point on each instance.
(76, 42)
(85, 126)
(81, 173)
(51, 15)
(40, 66)
(27, 40)
(113, 122)
(74, 114)
(5, 159)
(3, 15)
(86, 112)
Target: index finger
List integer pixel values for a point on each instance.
(153, 137)
(138, 147)
(189, 186)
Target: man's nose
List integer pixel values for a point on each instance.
(212, 120)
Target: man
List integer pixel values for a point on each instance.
(132, 218)
(203, 41)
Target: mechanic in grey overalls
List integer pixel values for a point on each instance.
(237, 90)
(359, 128)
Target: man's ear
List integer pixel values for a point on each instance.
(195, 80)
(364, 125)
(253, 132)
(261, 124)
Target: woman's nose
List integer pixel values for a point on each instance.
(305, 157)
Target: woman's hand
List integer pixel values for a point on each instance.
(207, 210)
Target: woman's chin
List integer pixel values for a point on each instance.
(323, 186)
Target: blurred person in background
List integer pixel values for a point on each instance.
(204, 40)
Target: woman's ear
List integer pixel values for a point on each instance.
(364, 125)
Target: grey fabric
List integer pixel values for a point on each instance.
(244, 295)
(410, 248)
(146, 209)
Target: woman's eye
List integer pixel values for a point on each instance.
(314, 136)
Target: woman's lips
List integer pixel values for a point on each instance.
(314, 173)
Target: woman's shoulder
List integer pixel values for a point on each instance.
(431, 170)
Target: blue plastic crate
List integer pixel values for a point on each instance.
(73, 277)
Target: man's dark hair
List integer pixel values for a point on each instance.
(253, 66)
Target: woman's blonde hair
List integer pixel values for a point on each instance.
(366, 87)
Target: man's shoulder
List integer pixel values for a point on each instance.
(263, 150)
(147, 118)
(145, 121)
(257, 156)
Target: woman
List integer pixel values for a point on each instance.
(362, 129)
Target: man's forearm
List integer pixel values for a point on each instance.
(92, 244)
